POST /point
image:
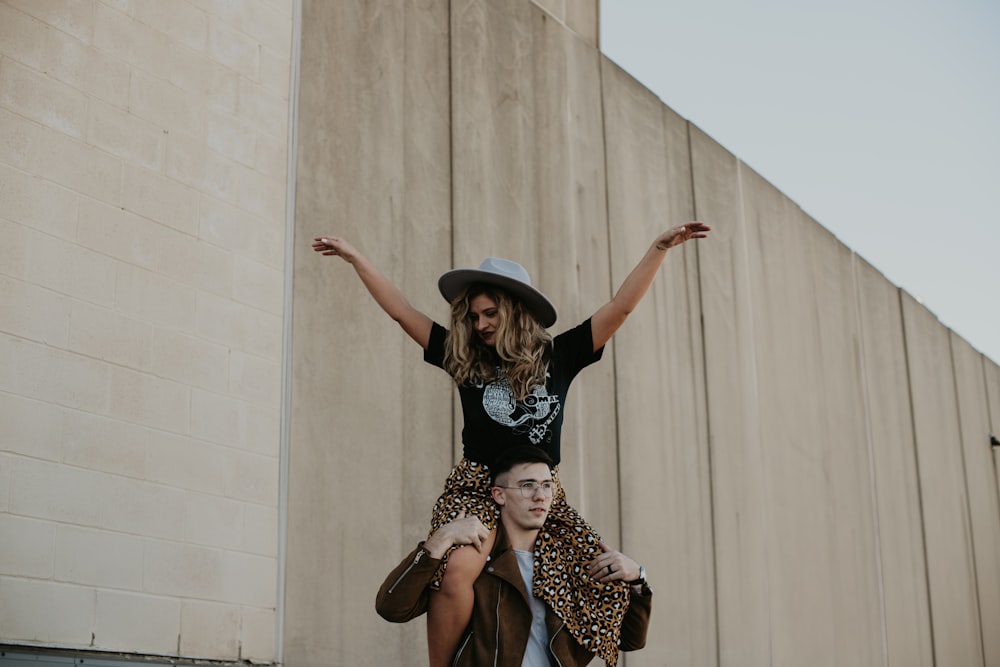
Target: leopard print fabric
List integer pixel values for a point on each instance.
(592, 611)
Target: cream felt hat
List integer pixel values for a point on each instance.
(509, 276)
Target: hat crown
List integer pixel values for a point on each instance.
(505, 274)
(506, 268)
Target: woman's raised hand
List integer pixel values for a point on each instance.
(681, 233)
(334, 245)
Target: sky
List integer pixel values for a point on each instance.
(880, 119)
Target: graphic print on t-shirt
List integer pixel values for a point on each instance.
(532, 415)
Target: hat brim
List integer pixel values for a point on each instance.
(453, 283)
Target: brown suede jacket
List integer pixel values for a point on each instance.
(501, 618)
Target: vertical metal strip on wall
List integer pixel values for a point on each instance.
(286, 345)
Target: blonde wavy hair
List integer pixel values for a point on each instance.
(521, 344)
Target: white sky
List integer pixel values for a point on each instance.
(880, 119)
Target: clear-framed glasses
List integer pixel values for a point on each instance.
(529, 487)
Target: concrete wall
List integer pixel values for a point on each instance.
(370, 429)
(794, 447)
(142, 205)
(776, 431)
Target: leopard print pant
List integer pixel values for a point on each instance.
(592, 611)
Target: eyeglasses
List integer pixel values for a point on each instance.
(529, 488)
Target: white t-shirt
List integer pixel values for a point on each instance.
(536, 653)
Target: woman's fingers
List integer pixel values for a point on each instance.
(326, 244)
(681, 233)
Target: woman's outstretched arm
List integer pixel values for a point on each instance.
(609, 317)
(388, 296)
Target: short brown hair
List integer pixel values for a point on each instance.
(516, 456)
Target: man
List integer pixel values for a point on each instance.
(510, 627)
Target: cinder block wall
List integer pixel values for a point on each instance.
(793, 446)
(142, 209)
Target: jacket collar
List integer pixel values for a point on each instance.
(503, 562)
(502, 542)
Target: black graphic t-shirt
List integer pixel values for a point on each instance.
(494, 420)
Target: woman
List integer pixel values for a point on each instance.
(513, 377)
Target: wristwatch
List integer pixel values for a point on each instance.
(641, 582)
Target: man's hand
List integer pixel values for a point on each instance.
(459, 531)
(612, 566)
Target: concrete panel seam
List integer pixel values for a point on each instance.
(708, 403)
(611, 286)
(984, 360)
(970, 535)
(916, 460)
(451, 194)
(756, 388)
(286, 348)
(873, 488)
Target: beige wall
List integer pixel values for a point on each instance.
(751, 434)
(795, 448)
(370, 429)
(142, 206)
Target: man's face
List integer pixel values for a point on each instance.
(526, 509)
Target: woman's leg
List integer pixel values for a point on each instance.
(450, 608)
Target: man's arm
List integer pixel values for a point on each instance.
(613, 565)
(636, 621)
(404, 594)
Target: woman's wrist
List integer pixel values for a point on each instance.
(436, 546)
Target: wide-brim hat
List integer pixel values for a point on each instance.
(505, 274)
